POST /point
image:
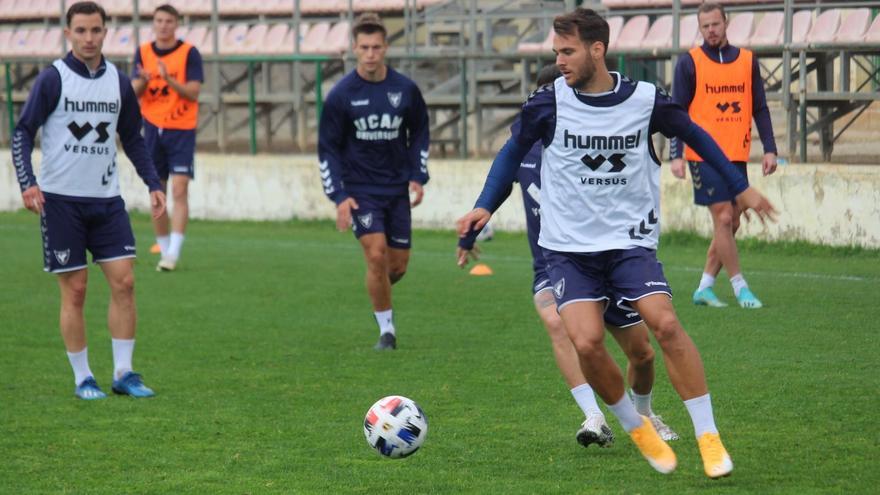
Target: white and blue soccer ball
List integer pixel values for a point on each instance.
(486, 234)
(395, 426)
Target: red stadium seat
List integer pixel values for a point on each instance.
(825, 27)
(633, 33)
(740, 28)
(689, 31)
(542, 46)
(659, 35)
(854, 26)
(315, 37)
(873, 33)
(768, 32)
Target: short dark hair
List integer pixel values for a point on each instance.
(589, 26)
(548, 74)
(86, 8)
(707, 7)
(168, 9)
(368, 23)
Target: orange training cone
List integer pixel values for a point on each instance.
(481, 269)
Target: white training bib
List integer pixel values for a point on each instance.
(79, 137)
(600, 184)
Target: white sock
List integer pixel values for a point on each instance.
(583, 395)
(626, 413)
(706, 281)
(163, 242)
(175, 245)
(122, 351)
(385, 320)
(738, 283)
(642, 403)
(700, 409)
(79, 361)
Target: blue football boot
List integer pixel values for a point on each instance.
(748, 300)
(89, 390)
(131, 384)
(707, 297)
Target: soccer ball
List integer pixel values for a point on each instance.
(395, 426)
(486, 234)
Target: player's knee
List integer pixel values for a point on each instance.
(642, 356)
(123, 285)
(666, 328)
(75, 294)
(556, 330)
(376, 258)
(724, 220)
(587, 347)
(396, 275)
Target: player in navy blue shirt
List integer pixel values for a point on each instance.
(627, 327)
(167, 76)
(600, 220)
(81, 103)
(373, 152)
(709, 190)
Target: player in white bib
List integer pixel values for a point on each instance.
(600, 221)
(82, 102)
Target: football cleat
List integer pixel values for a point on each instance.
(707, 297)
(387, 342)
(716, 461)
(665, 432)
(166, 265)
(747, 299)
(595, 430)
(89, 390)
(658, 454)
(131, 384)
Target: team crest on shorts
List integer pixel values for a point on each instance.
(394, 99)
(366, 220)
(62, 256)
(559, 289)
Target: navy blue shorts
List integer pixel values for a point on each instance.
(709, 186)
(70, 228)
(173, 150)
(390, 215)
(618, 276)
(614, 316)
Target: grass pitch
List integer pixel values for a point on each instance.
(260, 351)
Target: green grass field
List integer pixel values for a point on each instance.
(260, 351)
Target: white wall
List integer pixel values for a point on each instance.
(827, 204)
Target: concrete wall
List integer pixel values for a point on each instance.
(827, 204)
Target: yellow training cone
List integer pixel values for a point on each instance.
(481, 269)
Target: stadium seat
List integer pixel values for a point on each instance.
(47, 8)
(633, 33)
(873, 33)
(196, 7)
(800, 25)
(615, 24)
(825, 27)
(311, 7)
(122, 8)
(689, 31)
(542, 46)
(315, 37)
(659, 35)
(853, 27)
(146, 7)
(207, 46)
(24, 41)
(254, 41)
(740, 28)
(196, 36)
(275, 38)
(768, 32)
(121, 42)
(337, 40)
(6, 41)
(51, 43)
(233, 41)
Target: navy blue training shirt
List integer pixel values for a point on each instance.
(373, 137)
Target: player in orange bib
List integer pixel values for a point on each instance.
(721, 87)
(167, 78)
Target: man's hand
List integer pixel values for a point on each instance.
(157, 203)
(343, 214)
(419, 192)
(465, 255)
(163, 71)
(769, 164)
(33, 199)
(678, 168)
(143, 74)
(752, 199)
(475, 219)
